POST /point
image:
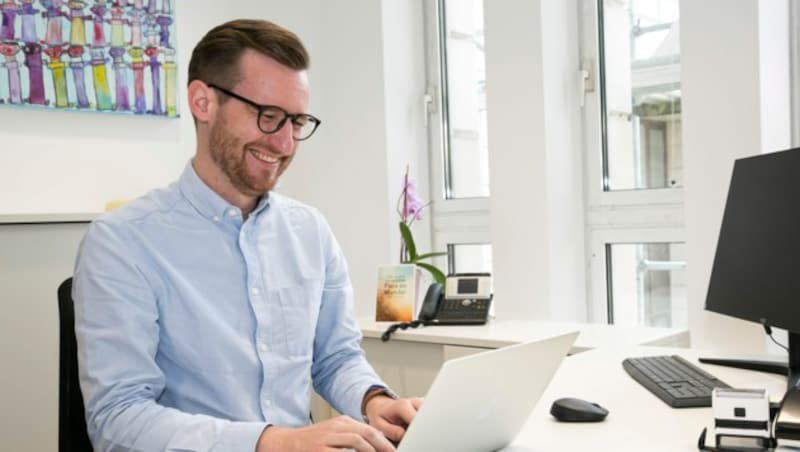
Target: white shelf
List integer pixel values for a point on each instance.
(48, 218)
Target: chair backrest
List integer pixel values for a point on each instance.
(72, 436)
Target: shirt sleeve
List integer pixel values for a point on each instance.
(340, 371)
(117, 331)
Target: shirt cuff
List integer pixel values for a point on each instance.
(241, 436)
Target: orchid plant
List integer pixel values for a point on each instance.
(410, 207)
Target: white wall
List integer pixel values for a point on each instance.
(536, 174)
(34, 260)
(735, 84)
(368, 79)
(342, 171)
(406, 140)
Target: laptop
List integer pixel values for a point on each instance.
(480, 402)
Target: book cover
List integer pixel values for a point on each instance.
(398, 287)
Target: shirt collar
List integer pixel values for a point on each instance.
(210, 204)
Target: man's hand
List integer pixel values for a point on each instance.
(341, 432)
(391, 416)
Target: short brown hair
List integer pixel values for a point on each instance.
(215, 59)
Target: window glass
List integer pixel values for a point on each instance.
(469, 258)
(647, 284)
(464, 98)
(642, 94)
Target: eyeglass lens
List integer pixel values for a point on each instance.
(273, 118)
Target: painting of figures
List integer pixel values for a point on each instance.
(108, 56)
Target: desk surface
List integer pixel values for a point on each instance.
(637, 419)
(500, 333)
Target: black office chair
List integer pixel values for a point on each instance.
(72, 436)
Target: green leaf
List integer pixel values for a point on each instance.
(430, 255)
(437, 274)
(408, 239)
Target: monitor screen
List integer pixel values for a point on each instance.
(756, 275)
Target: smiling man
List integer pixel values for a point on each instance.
(205, 311)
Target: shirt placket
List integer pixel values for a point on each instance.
(258, 302)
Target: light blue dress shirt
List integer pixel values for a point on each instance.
(196, 329)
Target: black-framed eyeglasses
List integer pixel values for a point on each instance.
(272, 118)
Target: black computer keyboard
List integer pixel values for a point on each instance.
(676, 381)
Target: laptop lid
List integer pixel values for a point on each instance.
(480, 402)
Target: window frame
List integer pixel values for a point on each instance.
(619, 216)
(460, 220)
(622, 216)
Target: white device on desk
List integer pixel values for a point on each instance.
(466, 300)
(480, 402)
(741, 416)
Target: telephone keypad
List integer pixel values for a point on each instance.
(465, 310)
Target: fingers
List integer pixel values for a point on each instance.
(393, 432)
(334, 434)
(405, 410)
(359, 436)
(349, 441)
(396, 417)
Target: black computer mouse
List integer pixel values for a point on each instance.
(569, 409)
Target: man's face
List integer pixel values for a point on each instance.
(251, 160)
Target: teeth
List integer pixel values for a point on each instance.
(264, 157)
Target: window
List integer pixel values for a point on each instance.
(463, 82)
(632, 142)
(469, 258)
(647, 284)
(635, 228)
(640, 59)
(457, 133)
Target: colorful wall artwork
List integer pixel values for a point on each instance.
(109, 56)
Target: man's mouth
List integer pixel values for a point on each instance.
(263, 156)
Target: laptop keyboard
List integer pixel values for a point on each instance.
(676, 381)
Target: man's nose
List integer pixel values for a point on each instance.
(283, 139)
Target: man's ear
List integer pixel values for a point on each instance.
(201, 100)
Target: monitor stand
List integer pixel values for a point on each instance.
(790, 369)
(772, 367)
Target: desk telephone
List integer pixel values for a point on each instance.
(465, 300)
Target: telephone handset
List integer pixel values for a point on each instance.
(430, 304)
(465, 300)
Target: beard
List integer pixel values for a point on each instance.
(230, 155)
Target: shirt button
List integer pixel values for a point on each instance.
(231, 213)
(216, 219)
(254, 290)
(267, 403)
(263, 347)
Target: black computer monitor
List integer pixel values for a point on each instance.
(756, 272)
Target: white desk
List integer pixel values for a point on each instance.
(637, 419)
(411, 359)
(409, 362)
(500, 333)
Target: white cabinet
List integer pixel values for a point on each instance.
(407, 367)
(410, 367)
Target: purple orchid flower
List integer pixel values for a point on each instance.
(410, 207)
(412, 203)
